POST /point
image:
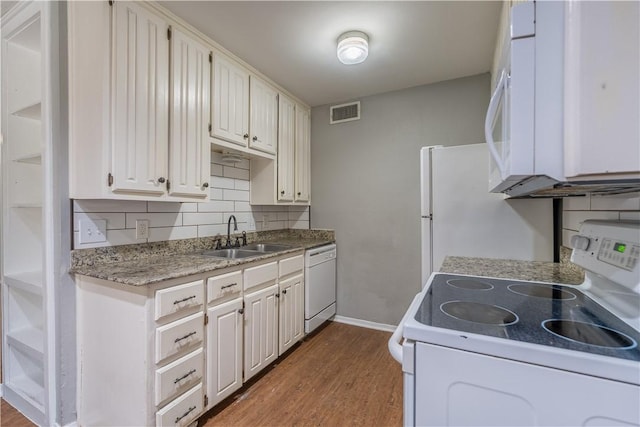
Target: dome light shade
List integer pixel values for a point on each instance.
(353, 47)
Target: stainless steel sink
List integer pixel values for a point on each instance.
(266, 247)
(232, 253)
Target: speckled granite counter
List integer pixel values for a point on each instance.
(148, 263)
(563, 272)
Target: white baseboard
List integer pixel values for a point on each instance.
(73, 424)
(364, 323)
(0, 390)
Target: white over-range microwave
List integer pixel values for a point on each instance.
(529, 121)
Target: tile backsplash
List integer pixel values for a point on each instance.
(229, 194)
(578, 209)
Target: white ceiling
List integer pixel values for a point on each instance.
(294, 42)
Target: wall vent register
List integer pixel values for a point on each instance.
(344, 113)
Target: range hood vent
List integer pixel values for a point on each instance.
(344, 113)
(542, 186)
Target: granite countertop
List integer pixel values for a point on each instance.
(146, 264)
(563, 272)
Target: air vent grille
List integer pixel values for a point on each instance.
(344, 113)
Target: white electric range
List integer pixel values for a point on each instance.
(490, 351)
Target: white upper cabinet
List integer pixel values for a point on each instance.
(190, 149)
(302, 155)
(286, 148)
(263, 116)
(138, 105)
(140, 55)
(602, 83)
(230, 109)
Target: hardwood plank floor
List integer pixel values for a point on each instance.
(340, 376)
(10, 417)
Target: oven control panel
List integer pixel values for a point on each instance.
(611, 250)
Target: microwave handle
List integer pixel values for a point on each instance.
(488, 121)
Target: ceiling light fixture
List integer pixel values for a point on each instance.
(353, 47)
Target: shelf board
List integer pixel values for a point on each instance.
(34, 159)
(33, 111)
(30, 281)
(29, 341)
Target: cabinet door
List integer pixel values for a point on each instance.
(286, 140)
(291, 313)
(189, 167)
(224, 350)
(140, 100)
(302, 154)
(602, 65)
(263, 116)
(230, 112)
(260, 330)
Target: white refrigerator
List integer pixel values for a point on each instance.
(461, 218)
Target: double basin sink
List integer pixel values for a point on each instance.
(253, 250)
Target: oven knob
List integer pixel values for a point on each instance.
(580, 242)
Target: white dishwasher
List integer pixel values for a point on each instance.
(320, 292)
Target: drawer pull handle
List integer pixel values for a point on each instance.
(185, 337)
(191, 409)
(228, 286)
(184, 299)
(193, 371)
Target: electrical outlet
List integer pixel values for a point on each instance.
(142, 228)
(93, 230)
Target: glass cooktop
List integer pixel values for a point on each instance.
(537, 313)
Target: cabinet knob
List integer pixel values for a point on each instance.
(245, 136)
(161, 180)
(205, 185)
(284, 291)
(277, 295)
(241, 310)
(299, 193)
(282, 192)
(255, 138)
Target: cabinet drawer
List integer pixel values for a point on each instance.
(179, 376)
(179, 298)
(291, 265)
(261, 274)
(179, 336)
(183, 410)
(224, 285)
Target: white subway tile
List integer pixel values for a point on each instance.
(231, 172)
(197, 218)
(109, 206)
(216, 206)
(212, 230)
(216, 157)
(573, 219)
(235, 195)
(241, 217)
(616, 203)
(172, 207)
(276, 225)
(282, 216)
(215, 194)
(172, 233)
(298, 208)
(114, 220)
(243, 164)
(295, 216)
(170, 219)
(242, 207)
(576, 203)
(217, 170)
(220, 182)
(241, 184)
(299, 224)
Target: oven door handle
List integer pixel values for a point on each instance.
(501, 88)
(395, 347)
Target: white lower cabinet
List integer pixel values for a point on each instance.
(224, 350)
(171, 351)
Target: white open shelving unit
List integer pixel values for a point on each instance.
(29, 214)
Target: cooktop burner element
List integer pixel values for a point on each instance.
(541, 291)
(588, 333)
(472, 284)
(479, 313)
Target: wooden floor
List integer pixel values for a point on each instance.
(10, 417)
(341, 376)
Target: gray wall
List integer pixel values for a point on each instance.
(365, 184)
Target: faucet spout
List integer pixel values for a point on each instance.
(235, 228)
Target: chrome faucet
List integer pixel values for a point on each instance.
(235, 228)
